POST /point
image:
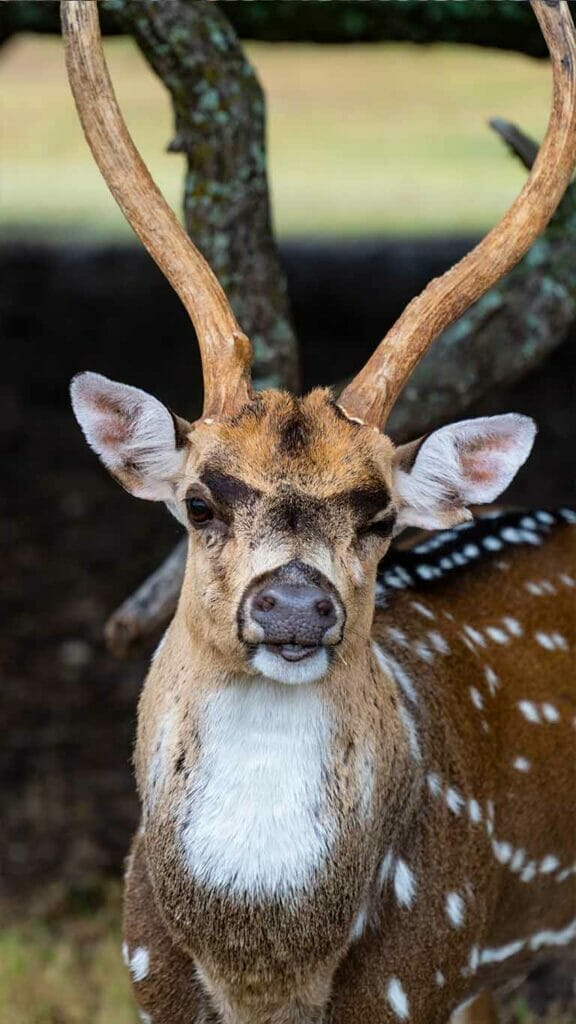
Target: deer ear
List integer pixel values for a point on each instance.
(137, 438)
(467, 463)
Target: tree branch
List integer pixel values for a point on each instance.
(507, 333)
(150, 607)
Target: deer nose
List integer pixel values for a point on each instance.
(293, 613)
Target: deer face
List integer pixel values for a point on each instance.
(290, 505)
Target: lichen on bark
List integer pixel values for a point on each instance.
(220, 128)
(511, 329)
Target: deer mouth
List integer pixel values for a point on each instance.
(293, 652)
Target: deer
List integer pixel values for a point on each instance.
(354, 765)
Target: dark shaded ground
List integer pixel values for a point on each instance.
(73, 544)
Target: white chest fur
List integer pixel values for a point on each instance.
(258, 822)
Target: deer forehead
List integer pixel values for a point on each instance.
(280, 442)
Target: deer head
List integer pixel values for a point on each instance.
(291, 502)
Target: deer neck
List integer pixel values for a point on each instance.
(271, 804)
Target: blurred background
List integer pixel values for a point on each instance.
(382, 172)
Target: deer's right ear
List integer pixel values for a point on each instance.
(137, 438)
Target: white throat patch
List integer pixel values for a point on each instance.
(254, 824)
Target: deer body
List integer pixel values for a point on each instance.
(347, 818)
(403, 823)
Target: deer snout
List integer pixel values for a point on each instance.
(294, 615)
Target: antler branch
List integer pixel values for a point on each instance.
(225, 350)
(373, 392)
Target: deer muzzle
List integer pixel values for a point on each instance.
(293, 613)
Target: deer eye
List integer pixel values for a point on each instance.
(199, 511)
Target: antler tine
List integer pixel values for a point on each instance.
(372, 393)
(225, 350)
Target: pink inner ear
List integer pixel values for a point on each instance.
(112, 423)
(477, 457)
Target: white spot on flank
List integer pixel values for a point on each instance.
(567, 580)
(385, 869)
(424, 652)
(474, 812)
(529, 872)
(497, 635)
(544, 517)
(511, 535)
(471, 551)
(492, 543)
(502, 851)
(145, 1017)
(423, 610)
(139, 964)
(474, 959)
(397, 635)
(527, 523)
(475, 636)
(554, 938)
(522, 764)
(535, 942)
(398, 999)
(529, 710)
(126, 954)
(404, 884)
(438, 642)
(549, 864)
(253, 824)
(477, 698)
(453, 799)
(560, 641)
(518, 860)
(434, 783)
(545, 641)
(455, 909)
(513, 626)
(492, 680)
(428, 572)
(551, 714)
(565, 874)
(497, 955)
(358, 926)
(440, 979)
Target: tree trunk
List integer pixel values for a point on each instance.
(219, 114)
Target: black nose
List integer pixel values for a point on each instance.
(293, 613)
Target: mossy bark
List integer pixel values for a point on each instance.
(523, 317)
(219, 115)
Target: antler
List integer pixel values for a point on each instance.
(372, 393)
(226, 352)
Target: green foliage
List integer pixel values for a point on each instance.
(505, 24)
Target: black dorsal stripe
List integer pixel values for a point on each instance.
(453, 551)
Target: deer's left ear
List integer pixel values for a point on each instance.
(467, 463)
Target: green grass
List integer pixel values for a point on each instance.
(66, 967)
(362, 140)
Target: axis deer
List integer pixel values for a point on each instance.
(356, 783)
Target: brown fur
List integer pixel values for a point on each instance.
(291, 959)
